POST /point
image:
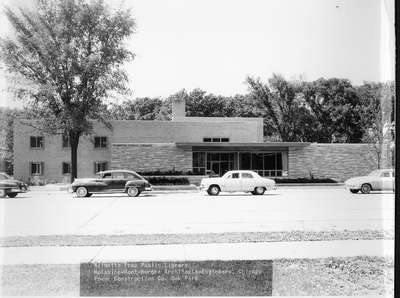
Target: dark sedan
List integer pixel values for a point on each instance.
(10, 187)
(113, 181)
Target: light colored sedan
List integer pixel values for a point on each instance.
(376, 180)
(232, 181)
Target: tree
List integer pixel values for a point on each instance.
(70, 52)
(285, 116)
(138, 109)
(336, 108)
(378, 119)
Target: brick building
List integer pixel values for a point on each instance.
(196, 144)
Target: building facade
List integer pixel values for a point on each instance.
(189, 144)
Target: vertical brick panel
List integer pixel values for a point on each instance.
(336, 161)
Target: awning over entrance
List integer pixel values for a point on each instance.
(241, 146)
(267, 159)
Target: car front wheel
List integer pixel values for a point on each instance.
(354, 190)
(81, 192)
(258, 191)
(213, 190)
(12, 194)
(133, 191)
(366, 188)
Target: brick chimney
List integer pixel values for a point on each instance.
(178, 107)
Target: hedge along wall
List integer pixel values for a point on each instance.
(150, 157)
(336, 161)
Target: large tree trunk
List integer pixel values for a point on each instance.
(74, 142)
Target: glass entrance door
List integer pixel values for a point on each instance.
(215, 168)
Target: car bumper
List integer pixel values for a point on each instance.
(352, 186)
(148, 188)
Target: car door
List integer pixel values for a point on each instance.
(387, 180)
(106, 182)
(248, 182)
(118, 181)
(232, 183)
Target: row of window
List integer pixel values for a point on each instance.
(264, 163)
(215, 140)
(37, 168)
(37, 142)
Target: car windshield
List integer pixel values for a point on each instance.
(374, 173)
(4, 176)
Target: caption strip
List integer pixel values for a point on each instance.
(180, 278)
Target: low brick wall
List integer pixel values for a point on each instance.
(152, 156)
(336, 161)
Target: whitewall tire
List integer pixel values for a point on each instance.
(133, 191)
(81, 192)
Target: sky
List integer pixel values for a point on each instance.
(215, 44)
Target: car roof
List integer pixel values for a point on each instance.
(242, 171)
(116, 171)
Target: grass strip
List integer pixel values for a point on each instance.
(154, 239)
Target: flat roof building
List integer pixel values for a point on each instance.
(188, 144)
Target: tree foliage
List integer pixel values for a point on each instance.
(70, 52)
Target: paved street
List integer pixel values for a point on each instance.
(42, 212)
(50, 212)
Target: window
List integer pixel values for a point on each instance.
(265, 164)
(199, 163)
(215, 140)
(66, 168)
(130, 176)
(100, 142)
(118, 176)
(233, 176)
(36, 142)
(65, 141)
(37, 168)
(247, 175)
(385, 174)
(100, 166)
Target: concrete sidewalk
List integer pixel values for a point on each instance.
(196, 252)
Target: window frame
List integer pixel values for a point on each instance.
(63, 138)
(69, 166)
(100, 147)
(96, 163)
(36, 142)
(41, 167)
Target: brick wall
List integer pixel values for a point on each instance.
(53, 155)
(146, 157)
(336, 161)
(193, 130)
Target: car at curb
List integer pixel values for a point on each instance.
(10, 187)
(112, 181)
(377, 180)
(238, 181)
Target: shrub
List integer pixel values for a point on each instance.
(304, 180)
(165, 180)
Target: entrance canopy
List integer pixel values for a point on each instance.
(267, 159)
(241, 146)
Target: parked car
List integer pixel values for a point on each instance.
(113, 181)
(232, 181)
(10, 187)
(376, 180)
